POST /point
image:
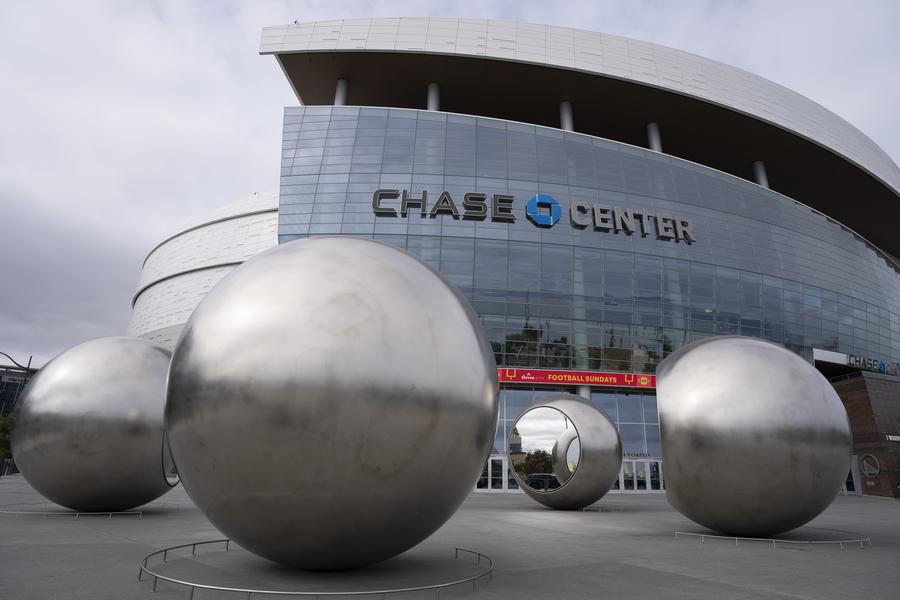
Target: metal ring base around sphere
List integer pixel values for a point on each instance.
(148, 571)
(855, 541)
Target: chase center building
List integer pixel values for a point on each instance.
(601, 202)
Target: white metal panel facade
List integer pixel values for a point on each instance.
(180, 271)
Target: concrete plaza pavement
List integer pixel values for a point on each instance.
(628, 549)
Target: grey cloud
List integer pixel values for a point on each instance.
(60, 287)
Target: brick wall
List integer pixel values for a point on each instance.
(873, 405)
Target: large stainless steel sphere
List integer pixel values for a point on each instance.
(88, 431)
(565, 453)
(331, 403)
(755, 440)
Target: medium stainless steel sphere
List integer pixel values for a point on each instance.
(331, 403)
(88, 431)
(578, 445)
(755, 441)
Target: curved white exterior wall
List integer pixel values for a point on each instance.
(596, 53)
(179, 272)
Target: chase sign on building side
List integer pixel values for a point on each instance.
(542, 209)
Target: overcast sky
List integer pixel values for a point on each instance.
(118, 120)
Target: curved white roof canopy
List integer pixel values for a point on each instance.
(596, 53)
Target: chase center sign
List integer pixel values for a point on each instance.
(542, 210)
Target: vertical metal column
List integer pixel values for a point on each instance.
(579, 311)
(434, 97)
(584, 391)
(759, 173)
(340, 92)
(566, 121)
(654, 141)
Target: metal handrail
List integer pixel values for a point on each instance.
(62, 513)
(703, 536)
(249, 591)
(9, 509)
(602, 508)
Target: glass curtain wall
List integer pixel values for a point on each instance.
(564, 297)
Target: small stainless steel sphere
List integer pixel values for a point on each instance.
(755, 441)
(566, 453)
(331, 403)
(88, 431)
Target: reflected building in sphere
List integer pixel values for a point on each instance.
(601, 202)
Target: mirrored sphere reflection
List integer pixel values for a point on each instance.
(88, 430)
(755, 440)
(331, 403)
(564, 452)
(539, 448)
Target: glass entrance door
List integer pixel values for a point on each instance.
(627, 476)
(656, 481)
(497, 473)
(495, 476)
(640, 476)
(637, 476)
(852, 486)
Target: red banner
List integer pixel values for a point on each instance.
(547, 377)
